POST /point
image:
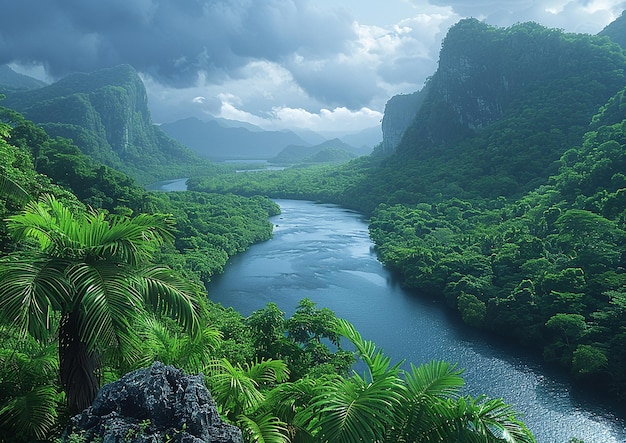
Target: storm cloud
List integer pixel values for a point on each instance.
(316, 64)
(172, 40)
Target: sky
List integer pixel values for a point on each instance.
(322, 65)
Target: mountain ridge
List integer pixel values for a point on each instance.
(106, 114)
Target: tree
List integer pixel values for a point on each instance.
(570, 326)
(92, 274)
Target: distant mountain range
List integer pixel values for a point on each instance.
(220, 139)
(330, 151)
(106, 114)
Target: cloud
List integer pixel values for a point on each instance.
(339, 119)
(588, 16)
(276, 62)
(172, 40)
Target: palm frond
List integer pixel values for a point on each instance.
(196, 352)
(377, 362)
(436, 378)
(30, 290)
(263, 429)
(289, 398)
(106, 301)
(232, 389)
(168, 294)
(349, 410)
(470, 419)
(11, 189)
(495, 420)
(267, 372)
(32, 415)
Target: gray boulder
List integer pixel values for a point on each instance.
(158, 404)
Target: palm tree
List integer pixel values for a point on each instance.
(92, 272)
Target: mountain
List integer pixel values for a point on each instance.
(106, 114)
(487, 74)
(12, 81)
(495, 118)
(218, 141)
(332, 151)
(616, 30)
(363, 141)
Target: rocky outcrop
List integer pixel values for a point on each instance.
(400, 111)
(157, 405)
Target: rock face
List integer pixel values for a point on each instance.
(486, 74)
(156, 404)
(400, 111)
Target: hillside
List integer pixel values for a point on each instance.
(616, 30)
(330, 151)
(216, 140)
(106, 114)
(12, 81)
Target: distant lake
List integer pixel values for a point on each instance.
(324, 253)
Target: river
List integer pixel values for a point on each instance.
(324, 253)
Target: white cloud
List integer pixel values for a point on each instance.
(391, 49)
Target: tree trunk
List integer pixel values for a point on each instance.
(77, 366)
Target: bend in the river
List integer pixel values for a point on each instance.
(324, 253)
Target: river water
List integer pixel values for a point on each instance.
(324, 253)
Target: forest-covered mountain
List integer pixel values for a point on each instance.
(330, 151)
(106, 114)
(503, 106)
(11, 80)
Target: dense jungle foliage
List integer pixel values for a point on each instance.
(505, 198)
(71, 270)
(519, 225)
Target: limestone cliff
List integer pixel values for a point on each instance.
(486, 73)
(400, 111)
(106, 114)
